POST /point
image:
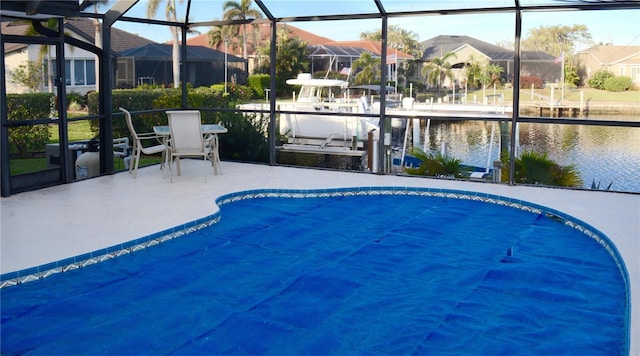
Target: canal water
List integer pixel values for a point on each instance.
(604, 155)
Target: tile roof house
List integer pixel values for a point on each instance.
(324, 52)
(261, 33)
(372, 47)
(264, 33)
(620, 60)
(468, 49)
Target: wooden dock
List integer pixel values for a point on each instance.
(559, 110)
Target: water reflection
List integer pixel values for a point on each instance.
(600, 154)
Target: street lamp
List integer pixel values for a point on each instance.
(226, 44)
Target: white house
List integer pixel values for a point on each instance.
(80, 65)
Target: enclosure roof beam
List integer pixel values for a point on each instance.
(117, 10)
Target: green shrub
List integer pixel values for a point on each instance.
(77, 98)
(246, 139)
(598, 78)
(154, 99)
(258, 83)
(132, 100)
(31, 106)
(536, 168)
(617, 84)
(240, 92)
(234, 93)
(526, 82)
(417, 86)
(434, 164)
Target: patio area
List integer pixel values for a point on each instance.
(51, 224)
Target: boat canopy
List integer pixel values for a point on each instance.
(307, 80)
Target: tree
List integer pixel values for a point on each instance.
(438, 68)
(557, 39)
(473, 73)
(242, 10)
(291, 58)
(494, 71)
(400, 39)
(51, 24)
(506, 44)
(369, 68)
(217, 35)
(571, 75)
(30, 75)
(170, 13)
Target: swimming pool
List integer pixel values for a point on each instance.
(372, 270)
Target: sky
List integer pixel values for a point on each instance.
(619, 27)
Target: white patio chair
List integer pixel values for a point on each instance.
(139, 148)
(187, 139)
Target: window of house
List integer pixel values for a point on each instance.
(67, 72)
(84, 72)
(80, 72)
(635, 74)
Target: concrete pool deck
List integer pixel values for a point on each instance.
(51, 224)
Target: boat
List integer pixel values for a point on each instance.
(326, 117)
(306, 120)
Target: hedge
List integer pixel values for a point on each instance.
(258, 83)
(526, 82)
(617, 84)
(30, 106)
(246, 139)
(598, 78)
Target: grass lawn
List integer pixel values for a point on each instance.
(21, 166)
(630, 96)
(78, 131)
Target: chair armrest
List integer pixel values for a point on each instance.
(148, 135)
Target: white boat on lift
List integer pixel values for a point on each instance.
(304, 121)
(308, 125)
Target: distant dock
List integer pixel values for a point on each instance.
(559, 110)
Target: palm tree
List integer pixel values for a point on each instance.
(401, 39)
(473, 72)
(44, 49)
(291, 58)
(494, 74)
(170, 13)
(242, 10)
(218, 34)
(536, 168)
(97, 24)
(435, 164)
(438, 68)
(368, 66)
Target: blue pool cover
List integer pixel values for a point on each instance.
(366, 275)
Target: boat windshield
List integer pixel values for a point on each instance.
(309, 94)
